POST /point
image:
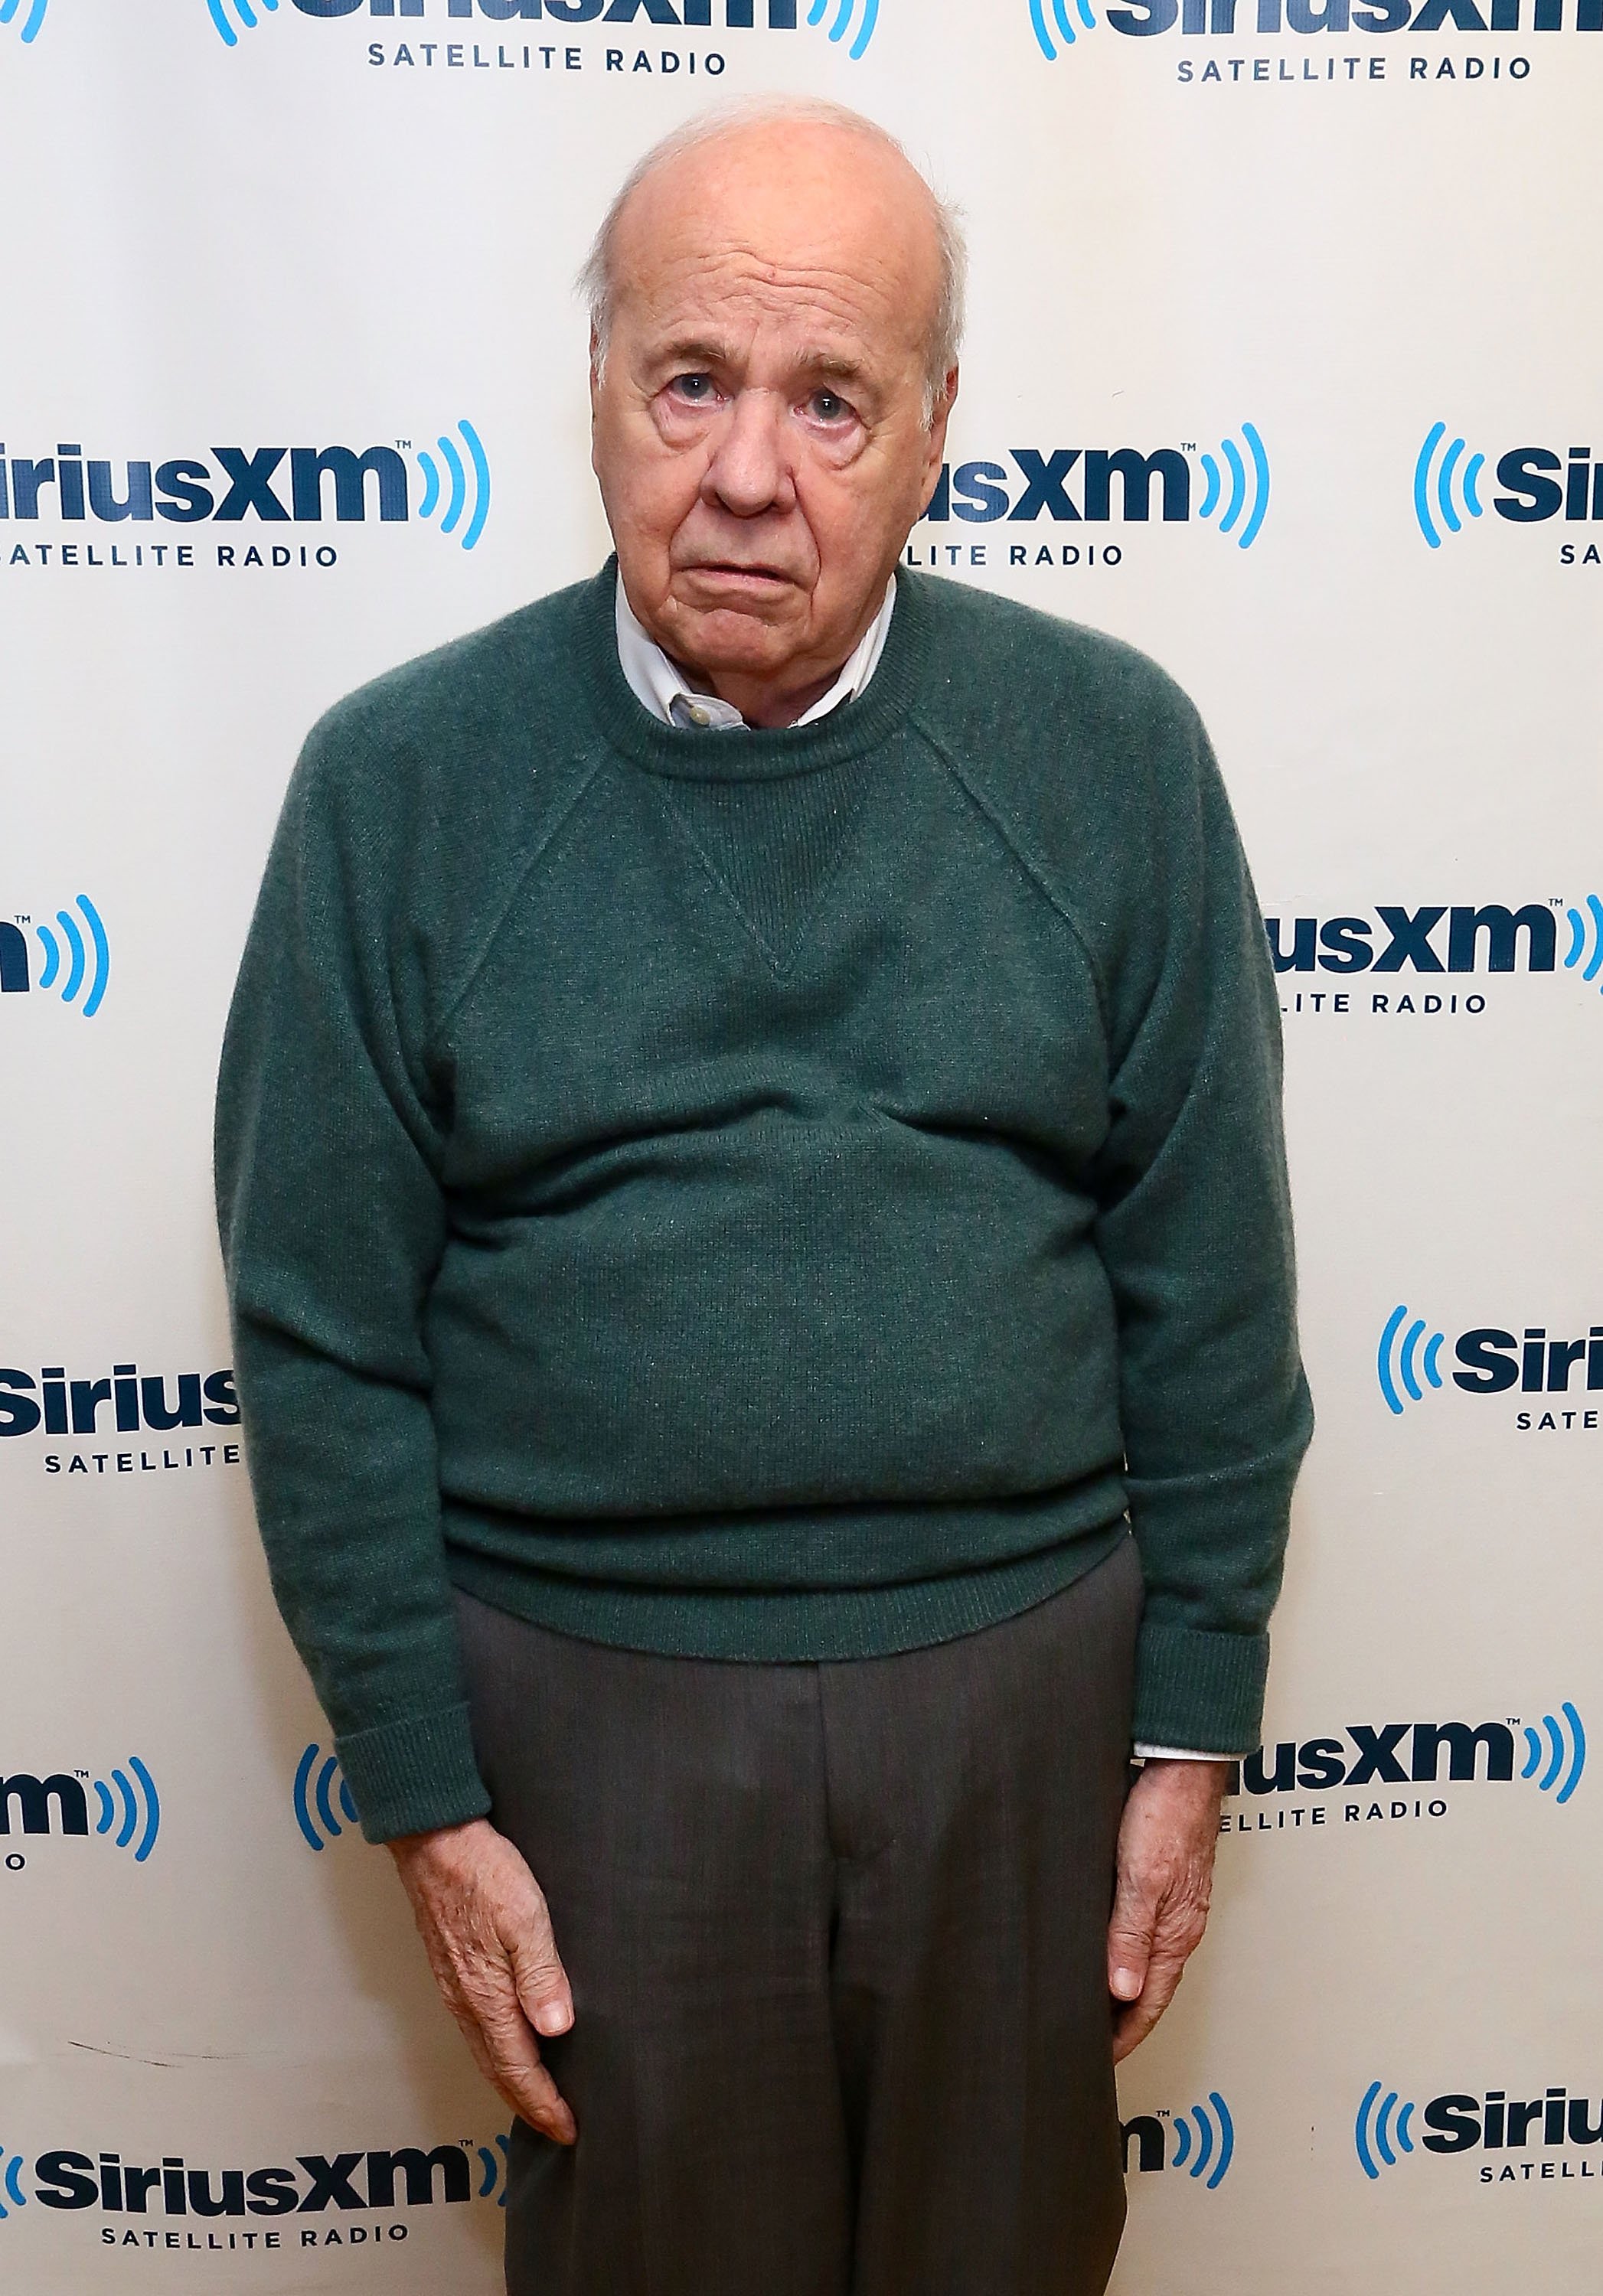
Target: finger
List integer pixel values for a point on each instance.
(1136, 2019)
(542, 1983)
(526, 2084)
(485, 2005)
(1130, 1933)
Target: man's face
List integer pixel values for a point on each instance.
(760, 433)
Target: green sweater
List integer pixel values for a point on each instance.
(757, 1194)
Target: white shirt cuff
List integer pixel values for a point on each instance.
(1179, 1754)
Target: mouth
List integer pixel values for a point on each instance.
(727, 572)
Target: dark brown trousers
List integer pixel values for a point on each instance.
(836, 1936)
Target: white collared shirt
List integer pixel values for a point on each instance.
(661, 684)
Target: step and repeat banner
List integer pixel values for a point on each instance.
(1284, 363)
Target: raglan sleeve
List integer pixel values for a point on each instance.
(328, 1153)
(1195, 1231)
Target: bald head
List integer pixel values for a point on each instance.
(775, 304)
(800, 152)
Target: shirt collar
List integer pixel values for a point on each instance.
(659, 684)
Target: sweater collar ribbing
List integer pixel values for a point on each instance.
(736, 754)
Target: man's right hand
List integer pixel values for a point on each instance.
(485, 1925)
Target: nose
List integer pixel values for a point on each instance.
(749, 471)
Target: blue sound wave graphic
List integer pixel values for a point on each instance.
(1215, 2139)
(1560, 1749)
(245, 10)
(844, 10)
(135, 1809)
(1375, 2131)
(458, 501)
(1397, 1357)
(494, 2177)
(1248, 492)
(1061, 22)
(78, 967)
(1586, 938)
(31, 22)
(11, 2184)
(1446, 489)
(314, 1797)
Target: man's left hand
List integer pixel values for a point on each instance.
(1165, 1877)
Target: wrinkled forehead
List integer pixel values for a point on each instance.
(825, 239)
(734, 308)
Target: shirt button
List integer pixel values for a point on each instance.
(699, 716)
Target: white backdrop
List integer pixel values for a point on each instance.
(1290, 251)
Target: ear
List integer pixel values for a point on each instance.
(595, 390)
(941, 416)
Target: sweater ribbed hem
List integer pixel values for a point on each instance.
(411, 1775)
(1199, 1690)
(821, 1624)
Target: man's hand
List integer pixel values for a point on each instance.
(1166, 1844)
(485, 1925)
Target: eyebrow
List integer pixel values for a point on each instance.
(702, 351)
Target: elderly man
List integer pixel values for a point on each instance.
(749, 1164)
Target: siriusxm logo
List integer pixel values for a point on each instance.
(241, 483)
(1383, 2130)
(1093, 486)
(348, 2183)
(1490, 938)
(1447, 481)
(1055, 29)
(60, 1804)
(31, 23)
(844, 20)
(1415, 1753)
(1493, 1360)
(319, 1783)
(78, 962)
(1202, 2142)
(133, 1401)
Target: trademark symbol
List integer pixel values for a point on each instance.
(405, 444)
(1554, 900)
(1513, 1721)
(24, 916)
(1187, 446)
(80, 1773)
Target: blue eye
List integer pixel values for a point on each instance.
(829, 405)
(696, 387)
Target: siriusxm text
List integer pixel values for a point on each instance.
(130, 1399)
(1384, 1753)
(1492, 938)
(407, 2178)
(235, 483)
(1073, 485)
(1498, 2121)
(729, 15)
(1269, 17)
(55, 1804)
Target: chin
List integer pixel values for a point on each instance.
(726, 638)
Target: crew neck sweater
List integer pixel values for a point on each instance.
(770, 1195)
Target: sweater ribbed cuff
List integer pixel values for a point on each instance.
(1198, 1689)
(412, 1775)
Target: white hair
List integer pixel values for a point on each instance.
(597, 283)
